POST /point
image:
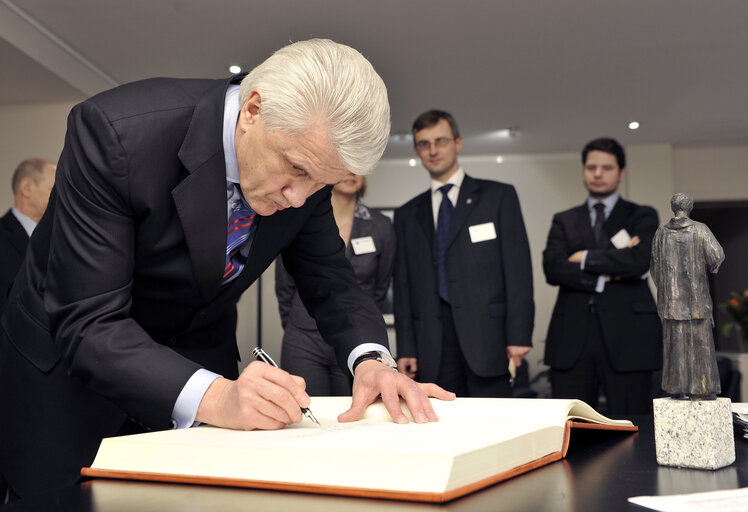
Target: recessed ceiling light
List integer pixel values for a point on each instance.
(412, 162)
(499, 159)
(633, 125)
(234, 69)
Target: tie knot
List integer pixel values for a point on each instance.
(444, 189)
(600, 209)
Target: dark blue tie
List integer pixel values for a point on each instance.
(237, 234)
(442, 230)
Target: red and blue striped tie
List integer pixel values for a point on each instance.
(238, 233)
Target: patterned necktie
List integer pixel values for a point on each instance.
(442, 229)
(600, 241)
(238, 233)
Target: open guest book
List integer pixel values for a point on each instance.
(477, 443)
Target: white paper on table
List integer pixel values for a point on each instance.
(735, 500)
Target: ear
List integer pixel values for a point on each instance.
(250, 110)
(622, 175)
(25, 186)
(458, 144)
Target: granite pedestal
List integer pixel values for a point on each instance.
(694, 434)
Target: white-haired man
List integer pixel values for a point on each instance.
(124, 319)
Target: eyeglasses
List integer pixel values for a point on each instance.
(424, 145)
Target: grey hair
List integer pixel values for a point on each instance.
(681, 202)
(30, 168)
(323, 81)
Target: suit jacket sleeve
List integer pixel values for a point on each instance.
(89, 278)
(517, 271)
(627, 263)
(285, 289)
(556, 265)
(346, 316)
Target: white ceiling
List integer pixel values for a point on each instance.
(562, 71)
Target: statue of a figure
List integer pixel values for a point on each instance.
(683, 252)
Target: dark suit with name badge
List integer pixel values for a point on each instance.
(489, 280)
(623, 318)
(118, 302)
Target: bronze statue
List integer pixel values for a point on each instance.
(683, 252)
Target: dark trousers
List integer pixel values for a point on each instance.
(454, 373)
(626, 392)
(304, 353)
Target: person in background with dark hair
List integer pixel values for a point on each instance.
(32, 182)
(604, 331)
(463, 294)
(370, 247)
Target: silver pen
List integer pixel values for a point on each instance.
(265, 358)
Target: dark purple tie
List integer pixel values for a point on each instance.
(442, 230)
(237, 234)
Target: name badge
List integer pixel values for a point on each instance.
(621, 239)
(363, 245)
(482, 232)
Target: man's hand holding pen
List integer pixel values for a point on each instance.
(268, 398)
(263, 397)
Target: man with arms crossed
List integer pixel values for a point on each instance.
(123, 315)
(604, 331)
(463, 277)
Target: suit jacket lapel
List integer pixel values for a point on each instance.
(425, 215)
(200, 198)
(16, 234)
(467, 200)
(583, 222)
(617, 218)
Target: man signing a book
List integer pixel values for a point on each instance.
(123, 316)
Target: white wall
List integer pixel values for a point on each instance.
(28, 131)
(546, 183)
(716, 173)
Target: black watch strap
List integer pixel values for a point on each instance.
(364, 357)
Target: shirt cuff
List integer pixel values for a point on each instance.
(362, 349)
(185, 408)
(600, 286)
(584, 259)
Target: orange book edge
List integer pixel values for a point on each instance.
(358, 492)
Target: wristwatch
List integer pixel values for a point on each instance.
(383, 357)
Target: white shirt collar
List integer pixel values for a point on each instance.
(455, 179)
(230, 115)
(27, 222)
(609, 202)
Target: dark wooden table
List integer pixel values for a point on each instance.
(601, 470)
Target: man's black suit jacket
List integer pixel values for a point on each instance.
(628, 315)
(118, 303)
(490, 282)
(13, 242)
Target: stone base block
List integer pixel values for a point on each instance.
(694, 434)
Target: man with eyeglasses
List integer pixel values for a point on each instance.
(463, 277)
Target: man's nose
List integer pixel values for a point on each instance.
(297, 193)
